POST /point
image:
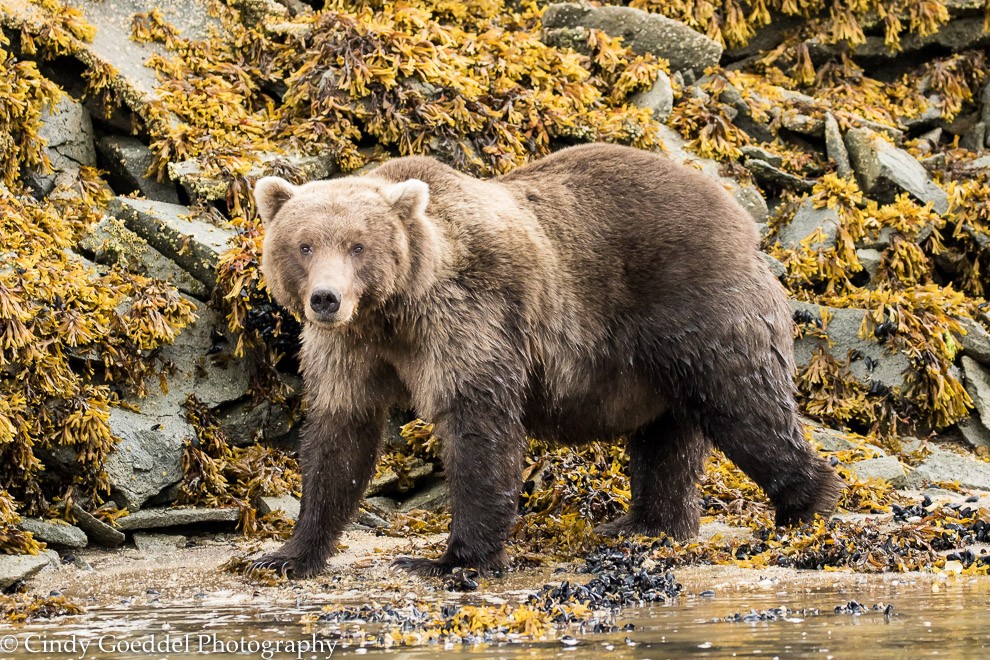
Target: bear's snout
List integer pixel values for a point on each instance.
(324, 302)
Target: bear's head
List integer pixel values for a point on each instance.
(335, 247)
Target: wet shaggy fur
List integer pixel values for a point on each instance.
(600, 292)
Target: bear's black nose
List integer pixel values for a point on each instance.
(325, 301)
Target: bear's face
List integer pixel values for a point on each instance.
(334, 247)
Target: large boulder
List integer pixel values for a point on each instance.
(148, 458)
(883, 170)
(643, 32)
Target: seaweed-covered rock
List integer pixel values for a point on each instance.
(659, 98)
(869, 361)
(807, 220)
(766, 173)
(96, 530)
(883, 170)
(643, 32)
(127, 161)
(194, 244)
(110, 242)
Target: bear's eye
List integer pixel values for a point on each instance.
(306, 248)
(357, 249)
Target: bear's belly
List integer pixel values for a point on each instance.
(601, 409)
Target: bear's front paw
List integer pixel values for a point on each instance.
(633, 525)
(446, 565)
(287, 566)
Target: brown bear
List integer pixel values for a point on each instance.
(598, 293)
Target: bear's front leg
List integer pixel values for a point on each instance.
(483, 450)
(337, 456)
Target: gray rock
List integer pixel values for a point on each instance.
(383, 505)
(286, 504)
(974, 432)
(641, 31)
(757, 129)
(759, 153)
(148, 458)
(127, 161)
(944, 465)
(976, 341)
(798, 122)
(147, 462)
(247, 423)
(807, 219)
(977, 382)
(190, 242)
(110, 242)
(887, 468)
(775, 265)
(68, 134)
(96, 530)
(985, 105)
(391, 483)
(870, 259)
(14, 568)
(875, 363)
(161, 518)
(747, 195)
(767, 173)
(883, 170)
(835, 147)
(659, 98)
(157, 544)
(370, 520)
(435, 497)
(56, 533)
(975, 138)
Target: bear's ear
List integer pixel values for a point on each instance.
(408, 198)
(270, 194)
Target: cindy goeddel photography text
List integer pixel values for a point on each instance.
(158, 645)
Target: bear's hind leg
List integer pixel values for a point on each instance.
(749, 413)
(666, 459)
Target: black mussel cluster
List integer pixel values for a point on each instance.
(462, 579)
(277, 327)
(905, 513)
(772, 614)
(622, 578)
(405, 617)
(856, 608)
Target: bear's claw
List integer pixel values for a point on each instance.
(285, 567)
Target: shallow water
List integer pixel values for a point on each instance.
(951, 622)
